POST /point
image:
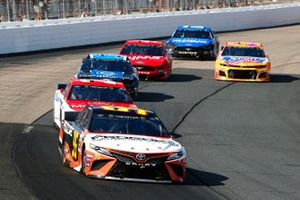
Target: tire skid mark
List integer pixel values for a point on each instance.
(198, 103)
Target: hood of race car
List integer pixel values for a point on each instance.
(133, 143)
(189, 42)
(244, 60)
(154, 61)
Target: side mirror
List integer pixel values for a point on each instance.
(175, 135)
(61, 86)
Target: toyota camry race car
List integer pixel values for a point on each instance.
(194, 41)
(77, 94)
(121, 143)
(242, 61)
(110, 67)
(150, 58)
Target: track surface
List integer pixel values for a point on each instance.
(242, 138)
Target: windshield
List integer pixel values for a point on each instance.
(142, 50)
(192, 34)
(239, 51)
(106, 65)
(127, 123)
(95, 93)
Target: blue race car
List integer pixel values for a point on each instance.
(196, 41)
(109, 67)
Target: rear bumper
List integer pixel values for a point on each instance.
(151, 72)
(191, 51)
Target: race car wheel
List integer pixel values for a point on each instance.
(214, 52)
(134, 96)
(65, 162)
(83, 155)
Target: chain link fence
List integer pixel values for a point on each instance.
(19, 10)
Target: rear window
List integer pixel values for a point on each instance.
(192, 34)
(94, 93)
(107, 65)
(142, 50)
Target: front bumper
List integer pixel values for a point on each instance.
(125, 167)
(242, 74)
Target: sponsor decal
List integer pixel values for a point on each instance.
(237, 60)
(56, 98)
(141, 165)
(106, 74)
(145, 57)
(78, 106)
(187, 40)
(124, 138)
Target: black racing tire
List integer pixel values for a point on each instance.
(83, 161)
(55, 126)
(65, 162)
(175, 55)
(134, 96)
(214, 52)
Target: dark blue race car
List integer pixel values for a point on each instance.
(109, 67)
(196, 41)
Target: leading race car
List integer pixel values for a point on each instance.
(120, 143)
(242, 61)
(110, 67)
(196, 41)
(150, 58)
(77, 94)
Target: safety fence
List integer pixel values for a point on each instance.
(19, 10)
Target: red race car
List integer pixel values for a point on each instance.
(150, 58)
(77, 94)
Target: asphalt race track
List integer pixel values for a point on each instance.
(242, 139)
(242, 133)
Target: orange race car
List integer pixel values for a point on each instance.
(121, 143)
(242, 61)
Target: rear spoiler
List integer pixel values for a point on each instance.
(61, 86)
(71, 116)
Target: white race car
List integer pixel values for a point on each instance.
(76, 95)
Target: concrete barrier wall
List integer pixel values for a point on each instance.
(52, 34)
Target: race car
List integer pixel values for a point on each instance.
(195, 41)
(150, 58)
(77, 94)
(110, 67)
(242, 61)
(121, 143)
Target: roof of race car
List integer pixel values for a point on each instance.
(193, 28)
(91, 82)
(244, 44)
(143, 42)
(107, 57)
(120, 109)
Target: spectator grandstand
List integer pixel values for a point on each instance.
(19, 10)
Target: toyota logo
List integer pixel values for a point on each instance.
(140, 157)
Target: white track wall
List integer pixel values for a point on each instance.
(52, 34)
